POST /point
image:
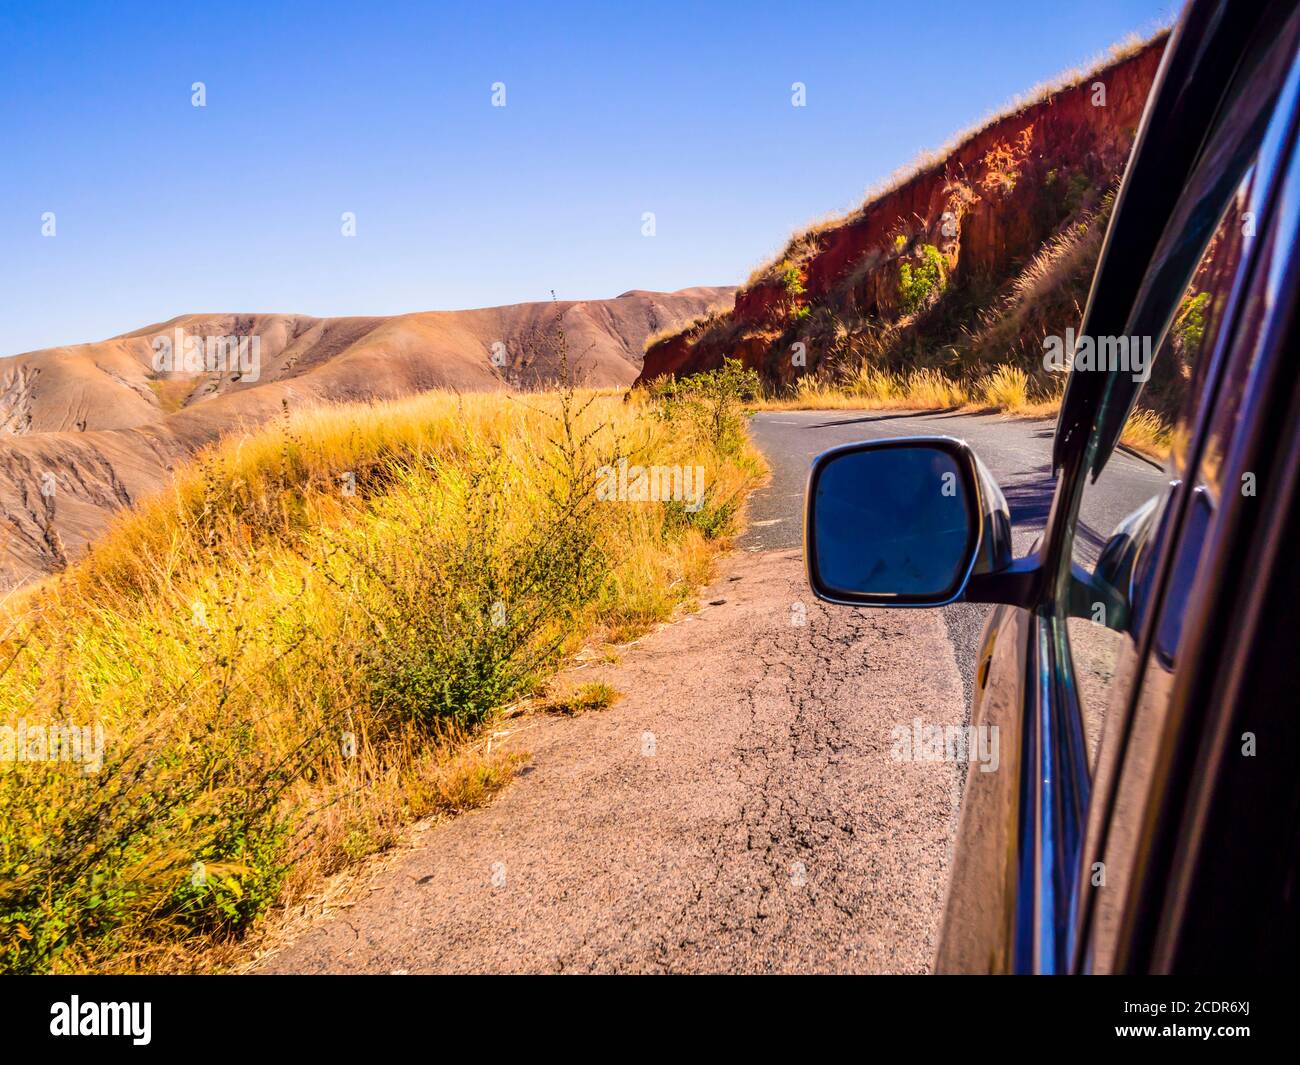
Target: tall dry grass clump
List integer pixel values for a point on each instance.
(1006, 388)
(1147, 432)
(289, 654)
(873, 388)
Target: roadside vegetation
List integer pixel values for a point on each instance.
(583, 699)
(1006, 390)
(294, 652)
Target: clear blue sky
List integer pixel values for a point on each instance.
(384, 109)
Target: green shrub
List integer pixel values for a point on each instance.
(710, 405)
(1077, 191)
(792, 280)
(1189, 323)
(919, 283)
(713, 518)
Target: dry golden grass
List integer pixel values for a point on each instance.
(290, 653)
(1064, 255)
(596, 695)
(1006, 389)
(1147, 432)
(716, 314)
(870, 388)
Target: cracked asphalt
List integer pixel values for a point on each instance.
(738, 810)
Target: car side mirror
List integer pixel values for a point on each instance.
(909, 522)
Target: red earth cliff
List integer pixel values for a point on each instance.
(980, 214)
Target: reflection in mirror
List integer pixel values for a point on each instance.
(894, 521)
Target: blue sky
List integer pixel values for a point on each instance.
(385, 110)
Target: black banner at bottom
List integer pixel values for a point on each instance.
(144, 1014)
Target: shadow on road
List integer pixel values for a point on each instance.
(882, 418)
(1030, 499)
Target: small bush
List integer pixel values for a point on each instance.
(710, 405)
(920, 283)
(1078, 190)
(792, 280)
(714, 518)
(1189, 324)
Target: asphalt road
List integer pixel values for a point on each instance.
(741, 808)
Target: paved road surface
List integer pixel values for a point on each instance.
(738, 810)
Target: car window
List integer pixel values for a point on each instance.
(1122, 510)
(1243, 126)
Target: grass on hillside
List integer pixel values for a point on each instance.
(984, 352)
(291, 653)
(970, 350)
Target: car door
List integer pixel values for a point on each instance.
(1181, 733)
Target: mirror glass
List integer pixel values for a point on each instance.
(893, 522)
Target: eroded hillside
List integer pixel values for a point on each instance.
(965, 263)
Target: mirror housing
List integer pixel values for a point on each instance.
(916, 521)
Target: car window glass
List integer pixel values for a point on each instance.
(1153, 408)
(1120, 513)
(1220, 317)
